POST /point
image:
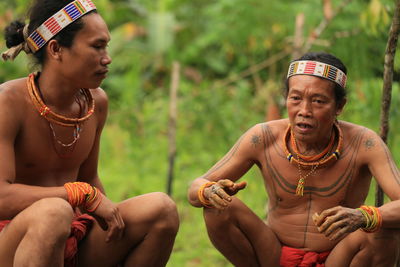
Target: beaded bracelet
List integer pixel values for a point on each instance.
(84, 195)
(200, 194)
(373, 218)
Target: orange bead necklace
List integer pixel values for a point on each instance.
(50, 115)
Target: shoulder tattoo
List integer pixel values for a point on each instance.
(255, 140)
(369, 143)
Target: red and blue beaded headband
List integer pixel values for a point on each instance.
(319, 69)
(71, 12)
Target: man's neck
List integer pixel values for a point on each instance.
(56, 90)
(314, 147)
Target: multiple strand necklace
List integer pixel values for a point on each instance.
(61, 120)
(50, 115)
(311, 162)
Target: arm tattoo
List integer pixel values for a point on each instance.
(392, 165)
(255, 140)
(224, 160)
(229, 155)
(369, 143)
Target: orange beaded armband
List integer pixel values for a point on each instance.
(373, 217)
(200, 194)
(84, 195)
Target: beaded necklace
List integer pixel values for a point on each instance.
(322, 159)
(312, 158)
(51, 116)
(307, 165)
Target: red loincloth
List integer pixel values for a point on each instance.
(80, 225)
(294, 257)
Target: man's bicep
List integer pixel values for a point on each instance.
(8, 132)
(7, 162)
(382, 166)
(88, 171)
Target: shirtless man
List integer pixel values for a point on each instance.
(49, 148)
(317, 173)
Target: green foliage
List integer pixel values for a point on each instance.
(213, 40)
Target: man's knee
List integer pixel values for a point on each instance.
(366, 249)
(50, 217)
(168, 217)
(161, 211)
(383, 245)
(219, 218)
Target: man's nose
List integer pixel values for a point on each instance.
(305, 109)
(106, 60)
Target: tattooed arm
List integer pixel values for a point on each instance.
(229, 169)
(371, 152)
(386, 173)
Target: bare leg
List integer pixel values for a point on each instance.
(241, 236)
(363, 249)
(151, 224)
(37, 236)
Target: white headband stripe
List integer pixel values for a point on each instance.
(319, 69)
(53, 25)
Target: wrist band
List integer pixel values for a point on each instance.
(200, 194)
(373, 218)
(83, 195)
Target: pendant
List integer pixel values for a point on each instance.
(300, 187)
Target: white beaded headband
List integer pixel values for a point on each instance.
(319, 69)
(53, 25)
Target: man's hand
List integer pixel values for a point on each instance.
(219, 194)
(109, 219)
(337, 222)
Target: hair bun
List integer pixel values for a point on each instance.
(14, 33)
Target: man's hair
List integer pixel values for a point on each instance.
(39, 12)
(340, 92)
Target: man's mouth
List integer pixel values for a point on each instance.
(304, 125)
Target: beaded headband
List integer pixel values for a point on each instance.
(53, 25)
(319, 69)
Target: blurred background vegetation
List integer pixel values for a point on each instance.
(233, 56)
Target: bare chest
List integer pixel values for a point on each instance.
(49, 150)
(344, 182)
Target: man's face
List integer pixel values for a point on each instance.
(311, 106)
(86, 61)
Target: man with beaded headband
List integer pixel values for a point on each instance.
(51, 198)
(317, 172)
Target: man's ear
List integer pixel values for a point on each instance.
(54, 50)
(340, 106)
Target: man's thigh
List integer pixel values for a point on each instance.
(12, 235)
(239, 226)
(138, 214)
(366, 249)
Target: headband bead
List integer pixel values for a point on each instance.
(319, 69)
(53, 25)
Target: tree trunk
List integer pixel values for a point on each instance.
(172, 124)
(387, 86)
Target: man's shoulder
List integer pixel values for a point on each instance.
(274, 126)
(13, 92)
(352, 129)
(271, 130)
(99, 96)
(16, 84)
